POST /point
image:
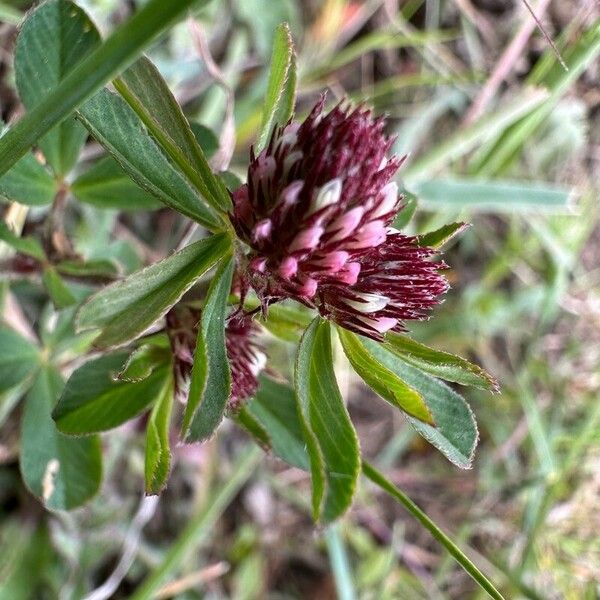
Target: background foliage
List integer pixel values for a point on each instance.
(518, 162)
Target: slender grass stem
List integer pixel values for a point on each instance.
(463, 560)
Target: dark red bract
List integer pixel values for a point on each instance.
(316, 213)
(245, 358)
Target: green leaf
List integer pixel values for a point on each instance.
(90, 268)
(382, 380)
(231, 180)
(58, 337)
(10, 398)
(281, 88)
(27, 245)
(116, 126)
(331, 441)
(288, 321)
(53, 39)
(27, 554)
(441, 236)
(144, 89)
(124, 309)
(107, 185)
(455, 433)
(28, 182)
(63, 472)
(158, 453)
(57, 289)
(275, 408)
(210, 385)
(143, 361)
(206, 138)
(496, 196)
(19, 358)
(89, 75)
(407, 211)
(249, 423)
(439, 364)
(94, 400)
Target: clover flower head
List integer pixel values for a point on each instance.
(316, 212)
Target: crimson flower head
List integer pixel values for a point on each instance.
(246, 359)
(316, 213)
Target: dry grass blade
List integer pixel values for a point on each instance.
(503, 67)
(192, 581)
(220, 161)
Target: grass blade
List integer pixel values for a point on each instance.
(9, 14)
(339, 563)
(102, 65)
(492, 196)
(465, 140)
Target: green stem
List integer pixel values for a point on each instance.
(463, 560)
(100, 66)
(201, 525)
